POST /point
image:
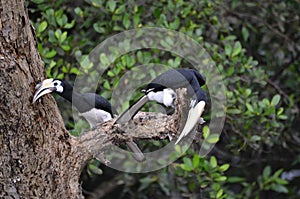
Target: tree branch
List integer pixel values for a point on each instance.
(145, 125)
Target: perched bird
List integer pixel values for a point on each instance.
(161, 90)
(94, 108)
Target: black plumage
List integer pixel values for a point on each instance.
(179, 78)
(85, 102)
(161, 89)
(94, 108)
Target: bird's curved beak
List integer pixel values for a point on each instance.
(43, 88)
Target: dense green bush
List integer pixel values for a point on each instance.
(255, 45)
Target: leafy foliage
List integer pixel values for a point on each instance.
(254, 44)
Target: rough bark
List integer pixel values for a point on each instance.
(38, 157)
(36, 152)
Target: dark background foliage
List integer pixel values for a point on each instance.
(255, 44)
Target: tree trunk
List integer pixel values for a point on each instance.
(38, 156)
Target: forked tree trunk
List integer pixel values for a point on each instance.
(36, 155)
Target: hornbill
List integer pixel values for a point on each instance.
(161, 90)
(94, 108)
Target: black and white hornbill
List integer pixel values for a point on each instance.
(161, 90)
(94, 108)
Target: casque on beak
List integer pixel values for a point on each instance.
(43, 88)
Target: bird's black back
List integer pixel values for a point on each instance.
(155, 87)
(87, 101)
(180, 78)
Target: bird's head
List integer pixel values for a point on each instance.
(48, 86)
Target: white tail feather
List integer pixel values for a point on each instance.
(193, 118)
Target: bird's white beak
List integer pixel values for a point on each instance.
(43, 88)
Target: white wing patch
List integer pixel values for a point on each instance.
(169, 97)
(96, 116)
(193, 117)
(156, 96)
(165, 97)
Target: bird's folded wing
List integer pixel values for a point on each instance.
(132, 110)
(193, 117)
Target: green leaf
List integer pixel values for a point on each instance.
(213, 161)
(64, 69)
(57, 33)
(42, 26)
(61, 20)
(103, 58)
(234, 111)
(230, 71)
(192, 185)
(205, 132)
(65, 47)
(130, 61)
(245, 33)
(249, 107)
(126, 21)
(110, 74)
(175, 24)
(281, 181)
(78, 11)
(145, 182)
(188, 162)
(255, 138)
(74, 71)
(221, 179)
(248, 92)
(279, 188)
(219, 193)
(50, 54)
(275, 100)
(95, 170)
(106, 85)
(266, 101)
(111, 5)
(277, 173)
(213, 138)
(236, 49)
(177, 61)
(136, 20)
(162, 161)
(228, 49)
(235, 179)
(196, 161)
(63, 36)
(266, 172)
(186, 167)
(178, 149)
(99, 28)
(157, 12)
(280, 111)
(283, 117)
(69, 25)
(224, 167)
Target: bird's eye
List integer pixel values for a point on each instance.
(55, 84)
